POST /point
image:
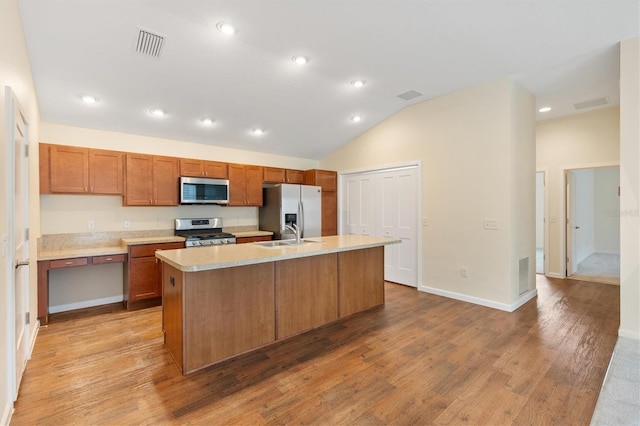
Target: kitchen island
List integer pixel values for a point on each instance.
(222, 301)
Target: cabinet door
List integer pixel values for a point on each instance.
(216, 170)
(192, 168)
(328, 180)
(165, 181)
(69, 169)
(329, 213)
(253, 188)
(294, 176)
(144, 279)
(45, 169)
(237, 185)
(274, 175)
(139, 180)
(106, 172)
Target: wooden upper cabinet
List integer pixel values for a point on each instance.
(151, 180)
(326, 179)
(202, 168)
(139, 181)
(69, 169)
(45, 168)
(106, 172)
(294, 176)
(274, 175)
(245, 185)
(165, 181)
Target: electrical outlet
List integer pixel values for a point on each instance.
(91, 224)
(127, 224)
(425, 222)
(464, 272)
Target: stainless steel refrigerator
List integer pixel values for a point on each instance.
(286, 204)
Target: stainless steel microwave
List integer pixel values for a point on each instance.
(204, 191)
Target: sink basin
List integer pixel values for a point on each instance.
(285, 243)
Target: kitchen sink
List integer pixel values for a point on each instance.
(285, 243)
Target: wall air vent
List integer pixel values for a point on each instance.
(149, 44)
(592, 103)
(411, 94)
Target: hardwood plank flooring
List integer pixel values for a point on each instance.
(420, 359)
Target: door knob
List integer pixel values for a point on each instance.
(577, 227)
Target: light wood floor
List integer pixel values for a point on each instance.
(421, 359)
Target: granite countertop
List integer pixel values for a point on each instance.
(226, 256)
(152, 240)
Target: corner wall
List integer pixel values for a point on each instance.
(475, 149)
(630, 189)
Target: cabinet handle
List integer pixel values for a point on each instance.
(108, 259)
(68, 263)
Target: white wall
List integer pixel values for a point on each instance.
(15, 71)
(607, 210)
(630, 189)
(61, 214)
(477, 149)
(583, 140)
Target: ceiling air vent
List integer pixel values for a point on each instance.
(592, 103)
(411, 94)
(149, 44)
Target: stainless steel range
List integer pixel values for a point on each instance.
(203, 232)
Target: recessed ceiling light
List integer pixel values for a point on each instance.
(257, 132)
(544, 109)
(88, 99)
(226, 28)
(300, 60)
(157, 112)
(358, 83)
(207, 121)
(356, 118)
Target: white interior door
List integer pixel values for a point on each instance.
(572, 265)
(398, 213)
(19, 237)
(384, 204)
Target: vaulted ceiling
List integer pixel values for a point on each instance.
(563, 51)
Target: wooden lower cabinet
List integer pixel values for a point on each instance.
(245, 240)
(213, 315)
(142, 275)
(307, 291)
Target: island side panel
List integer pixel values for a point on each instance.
(227, 312)
(307, 293)
(361, 280)
(172, 288)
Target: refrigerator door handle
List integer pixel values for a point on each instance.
(301, 216)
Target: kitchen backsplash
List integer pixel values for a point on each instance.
(66, 214)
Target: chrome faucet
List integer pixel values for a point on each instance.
(295, 231)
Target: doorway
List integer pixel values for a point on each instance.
(593, 224)
(384, 203)
(17, 167)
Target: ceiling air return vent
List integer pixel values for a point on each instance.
(592, 103)
(411, 94)
(149, 44)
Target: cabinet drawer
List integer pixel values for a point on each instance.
(150, 249)
(244, 240)
(68, 263)
(114, 258)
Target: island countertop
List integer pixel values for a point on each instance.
(227, 256)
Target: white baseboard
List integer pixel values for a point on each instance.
(480, 301)
(629, 334)
(34, 336)
(555, 275)
(85, 304)
(7, 412)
